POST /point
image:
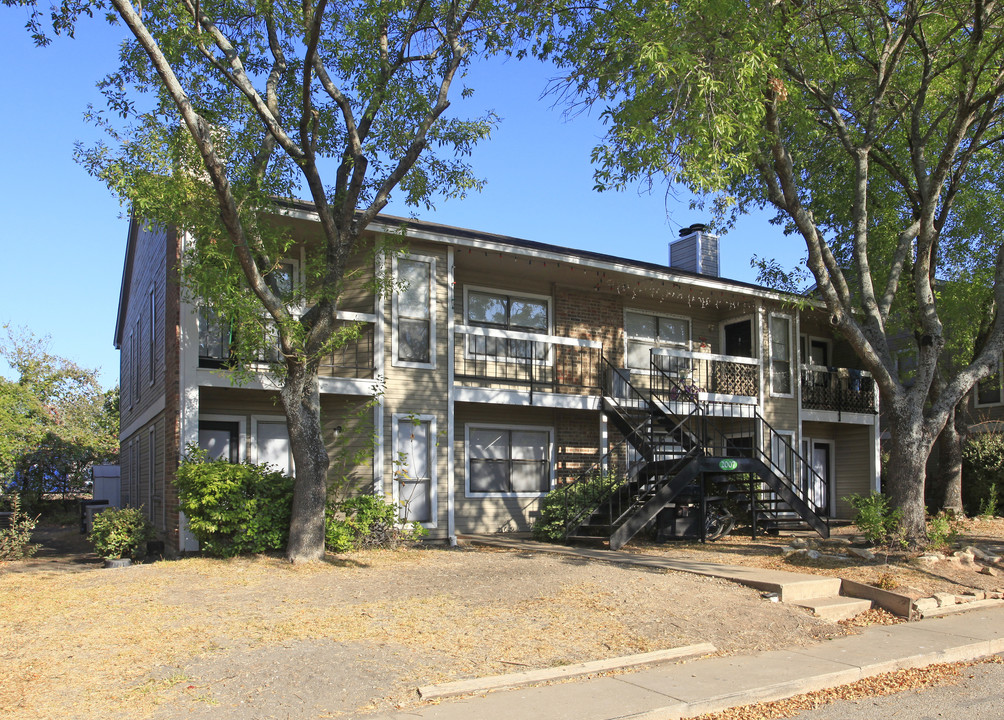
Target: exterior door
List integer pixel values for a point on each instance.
(819, 484)
(739, 338)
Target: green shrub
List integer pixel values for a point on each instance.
(234, 508)
(943, 529)
(366, 521)
(566, 502)
(121, 533)
(15, 540)
(990, 505)
(983, 472)
(874, 517)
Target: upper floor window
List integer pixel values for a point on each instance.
(989, 390)
(511, 312)
(152, 345)
(780, 355)
(645, 332)
(414, 316)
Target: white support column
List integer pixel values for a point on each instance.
(451, 461)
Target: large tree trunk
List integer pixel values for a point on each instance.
(909, 448)
(949, 471)
(301, 398)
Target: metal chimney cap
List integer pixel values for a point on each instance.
(695, 228)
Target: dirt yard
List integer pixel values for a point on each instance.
(257, 637)
(901, 571)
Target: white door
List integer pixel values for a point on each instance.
(819, 483)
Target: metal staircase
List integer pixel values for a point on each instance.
(674, 441)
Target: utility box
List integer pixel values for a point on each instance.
(106, 484)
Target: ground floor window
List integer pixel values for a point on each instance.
(415, 467)
(508, 460)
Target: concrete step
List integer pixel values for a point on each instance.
(800, 587)
(837, 608)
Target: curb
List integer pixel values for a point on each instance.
(510, 681)
(814, 683)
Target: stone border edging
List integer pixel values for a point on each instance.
(531, 677)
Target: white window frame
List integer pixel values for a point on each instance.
(396, 445)
(431, 364)
(546, 299)
(655, 341)
(241, 421)
(511, 428)
(770, 354)
(782, 463)
(807, 351)
(755, 339)
(1000, 392)
(275, 420)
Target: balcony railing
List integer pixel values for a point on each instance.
(837, 389)
(507, 359)
(697, 372)
(355, 359)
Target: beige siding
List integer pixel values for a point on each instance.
(420, 391)
(852, 452)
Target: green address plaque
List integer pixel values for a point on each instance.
(728, 464)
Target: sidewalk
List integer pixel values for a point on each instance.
(713, 684)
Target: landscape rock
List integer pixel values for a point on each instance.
(925, 604)
(838, 541)
(964, 558)
(860, 540)
(930, 558)
(799, 544)
(813, 554)
(944, 599)
(862, 553)
(975, 552)
(989, 571)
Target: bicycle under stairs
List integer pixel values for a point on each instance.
(678, 445)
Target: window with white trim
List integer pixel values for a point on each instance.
(988, 390)
(415, 467)
(511, 312)
(780, 355)
(508, 460)
(414, 312)
(645, 332)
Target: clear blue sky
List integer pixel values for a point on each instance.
(63, 234)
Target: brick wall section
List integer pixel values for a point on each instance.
(577, 441)
(172, 386)
(591, 315)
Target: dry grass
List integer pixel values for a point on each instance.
(122, 643)
(892, 569)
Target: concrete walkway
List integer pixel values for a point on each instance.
(712, 684)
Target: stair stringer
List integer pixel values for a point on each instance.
(644, 514)
(782, 489)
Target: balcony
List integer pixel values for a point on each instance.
(837, 390)
(531, 362)
(355, 359)
(709, 374)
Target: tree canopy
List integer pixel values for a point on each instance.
(867, 125)
(217, 109)
(55, 420)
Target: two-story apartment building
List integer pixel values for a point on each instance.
(498, 368)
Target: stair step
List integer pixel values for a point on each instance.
(835, 608)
